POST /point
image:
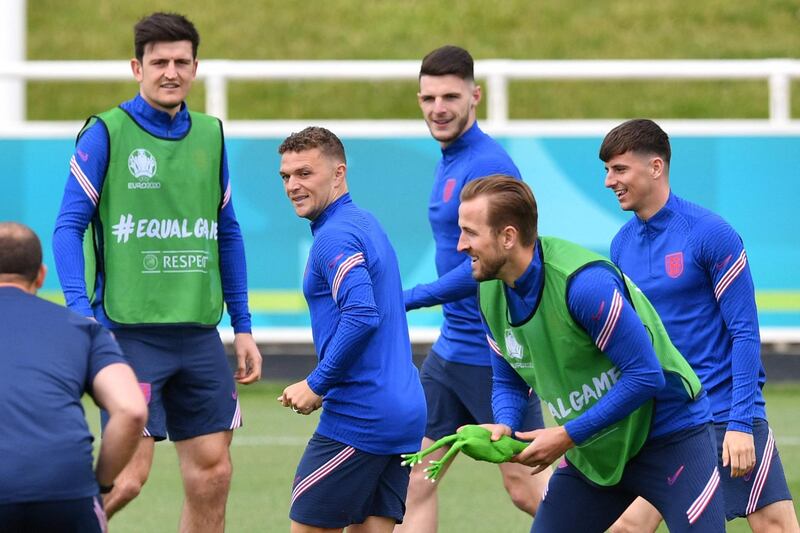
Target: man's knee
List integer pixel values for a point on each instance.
(778, 517)
(128, 488)
(209, 477)
(418, 486)
(524, 490)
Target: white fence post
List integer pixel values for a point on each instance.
(12, 49)
(780, 111)
(217, 96)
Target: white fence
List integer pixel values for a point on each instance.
(216, 73)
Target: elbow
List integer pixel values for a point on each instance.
(132, 415)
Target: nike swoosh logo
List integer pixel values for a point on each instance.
(674, 477)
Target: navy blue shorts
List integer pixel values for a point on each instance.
(765, 484)
(677, 473)
(459, 394)
(185, 377)
(337, 485)
(83, 515)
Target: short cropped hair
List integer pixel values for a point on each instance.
(314, 137)
(639, 135)
(511, 203)
(20, 252)
(164, 27)
(446, 60)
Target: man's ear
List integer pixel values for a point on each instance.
(657, 167)
(340, 174)
(39, 281)
(477, 94)
(509, 236)
(136, 68)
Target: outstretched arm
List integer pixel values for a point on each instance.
(452, 286)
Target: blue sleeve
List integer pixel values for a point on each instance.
(724, 259)
(352, 290)
(596, 300)
(233, 267)
(104, 351)
(454, 285)
(81, 194)
(509, 391)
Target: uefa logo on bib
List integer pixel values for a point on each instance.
(143, 166)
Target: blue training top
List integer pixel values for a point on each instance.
(51, 356)
(88, 172)
(372, 397)
(620, 336)
(472, 156)
(692, 266)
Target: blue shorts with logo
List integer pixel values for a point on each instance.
(677, 473)
(82, 515)
(763, 485)
(459, 394)
(337, 485)
(185, 377)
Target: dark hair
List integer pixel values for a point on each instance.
(638, 135)
(314, 137)
(446, 60)
(164, 27)
(511, 203)
(20, 251)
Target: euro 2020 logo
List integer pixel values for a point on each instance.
(142, 164)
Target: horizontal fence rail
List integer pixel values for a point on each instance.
(216, 73)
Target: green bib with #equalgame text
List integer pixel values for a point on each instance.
(556, 357)
(158, 211)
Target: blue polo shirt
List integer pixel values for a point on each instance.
(693, 268)
(50, 357)
(372, 396)
(473, 155)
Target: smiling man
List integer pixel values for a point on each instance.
(456, 375)
(563, 320)
(164, 250)
(692, 266)
(373, 407)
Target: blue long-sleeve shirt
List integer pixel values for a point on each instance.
(692, 266)
(79, 206)
(620, 336)
(372, 396)
(472, 156)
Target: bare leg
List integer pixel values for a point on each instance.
(422, 503)
(297, 527)
(130, 481)
(525, 490)
(640, 516)
(775, 517)
(373, 524)
(206, 470)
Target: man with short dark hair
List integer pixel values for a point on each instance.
(692, 266)
(373, 407)
(50, 357)
(456, 375)
(563, 320)
(151, 179)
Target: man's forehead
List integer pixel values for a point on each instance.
(448, 83)
(163, 48)
(297, 159)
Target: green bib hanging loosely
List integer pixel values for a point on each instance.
(556, 357)
(158, 215)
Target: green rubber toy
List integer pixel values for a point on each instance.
(474, 441)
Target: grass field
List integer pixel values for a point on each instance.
(407, 29)
(266, 451)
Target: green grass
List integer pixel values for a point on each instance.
(266, 451)
(407, 29)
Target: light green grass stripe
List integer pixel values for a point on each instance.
(293, 301)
